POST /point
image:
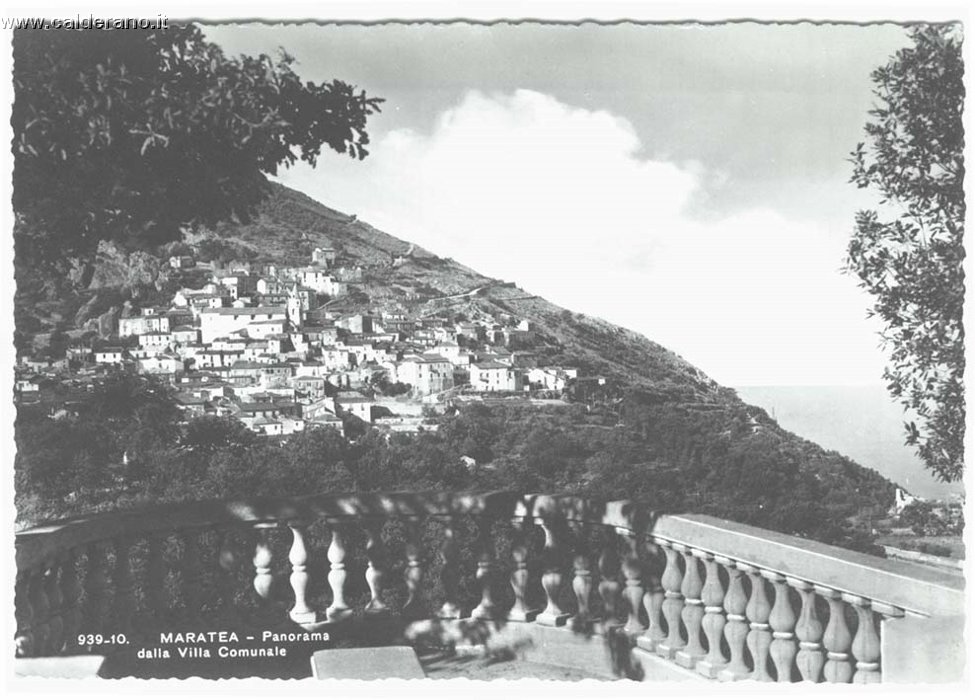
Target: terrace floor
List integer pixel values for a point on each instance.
(445, 667)
(520, 651)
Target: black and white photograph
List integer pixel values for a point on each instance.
(592, 346)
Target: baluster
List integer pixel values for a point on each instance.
(71, 595)
(673, 601)
(156, 578)
(24, 639)
(783, 622)
(736, 627)
(693, 612)
(633, 584)
(375, 554)
(485, 610)
(712, 595)
(582, 621)
(192, 574)
(866, 642)
(52, 591)
(809, 632)
(412, 608)
(653, 601)
(227, 564)
(263, 578)
(96, 582)
(450, 610)
(609, 586)
(552, 615)
(339, 609)
(837, 639)
(122, 578)
(301, 613)
(759, 634)
(37, 594)
(519, 576)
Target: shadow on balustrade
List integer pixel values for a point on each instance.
(572, 528)
(543, 563)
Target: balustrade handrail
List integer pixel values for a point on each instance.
(891, 586)
(888, 583)
(37, 544)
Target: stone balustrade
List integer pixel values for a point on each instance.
(723, 600)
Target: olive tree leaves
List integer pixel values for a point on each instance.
(909, 255)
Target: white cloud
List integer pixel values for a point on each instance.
(558, 199)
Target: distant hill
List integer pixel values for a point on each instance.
(861, 422)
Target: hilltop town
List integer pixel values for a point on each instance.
(282, 348)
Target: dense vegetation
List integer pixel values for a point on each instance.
(123, 447)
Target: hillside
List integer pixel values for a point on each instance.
(292, 224)
(650, 425)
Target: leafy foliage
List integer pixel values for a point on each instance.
(912, 263)
(927, 520)
(128, 136)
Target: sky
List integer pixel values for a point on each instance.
(687, 181)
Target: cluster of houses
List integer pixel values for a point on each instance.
(277, 349)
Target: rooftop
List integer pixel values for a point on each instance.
(489, 364)
(245, 311)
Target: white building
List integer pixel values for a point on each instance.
(261, 330)
(902, 499)
(358, 405)
(319, 280)
(551, 378)
(336, 359)
(453, 352)
(270, 285)
(156, 340)
(493, 376)
(186, 334)
(324, 256)
(215, 323)
(109, 356)
(160, 364)
(427, 373)
(140, 325)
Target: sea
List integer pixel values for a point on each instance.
(860, 422)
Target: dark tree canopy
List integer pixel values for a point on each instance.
(129, 135)
(909, 254)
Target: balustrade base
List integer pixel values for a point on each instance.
(338, 615)
(666, 651)
(709, 669)
(687, 660)
(547, 619)
(522, 615)
(654, 669)
(305, 618)
(647, 643)
(730, 674)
